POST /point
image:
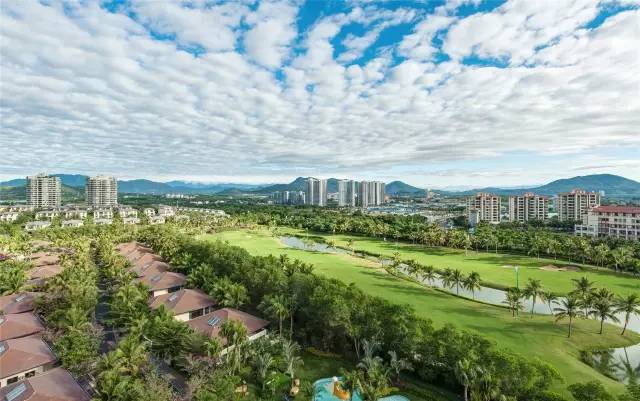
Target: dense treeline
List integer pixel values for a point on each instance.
(332, 316)
(532, 240)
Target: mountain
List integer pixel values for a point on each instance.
(198, 187)
(144, 187)
(401, 188)
(612, 185)
(296, 185)
(19, 192)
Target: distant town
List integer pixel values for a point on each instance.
(582, 207)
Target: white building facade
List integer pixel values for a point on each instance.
(102, 191)
(574, 205)
(44, 191)
(483, 207)
(347, 193)
(611, 221)
(316, 192)
(528, 206)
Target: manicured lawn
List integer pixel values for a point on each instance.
(532, 337)
(493, 268)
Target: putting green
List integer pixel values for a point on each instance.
(536, 336)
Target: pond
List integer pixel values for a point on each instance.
(492, 296)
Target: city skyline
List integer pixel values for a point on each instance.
(265, 92)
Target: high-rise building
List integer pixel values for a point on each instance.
(289, 197)
(347, 192)
(102, 191)
(44, 191)
(483, 207)
(371, 193)
(528, 206)
(574, 205)
(316, 192)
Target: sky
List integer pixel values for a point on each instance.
(437, 93)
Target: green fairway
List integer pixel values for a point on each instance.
(495, 269)
(533, 337)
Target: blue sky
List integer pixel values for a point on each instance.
(436, 93)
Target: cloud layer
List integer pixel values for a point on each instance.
(251, 91)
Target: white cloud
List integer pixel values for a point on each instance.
(272, 30)
(95, 92)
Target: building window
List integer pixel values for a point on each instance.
(12, 380)
(30, 374)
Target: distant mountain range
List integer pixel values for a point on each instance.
(613, 185)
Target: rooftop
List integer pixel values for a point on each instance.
(183, 301)
(22, 354)
(54, 385)
(19, 325)
(18, 303)
(163, 281)
(211, 323)
(617, 209)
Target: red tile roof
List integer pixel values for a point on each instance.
(150, 268)
(46, 259)
(19, 325)
(617, 209)
(183, 301)
(146, 258)
(22, 354)
(163, 281)
(210, 324)
(18, 303)
(45, 271)
(54, 385)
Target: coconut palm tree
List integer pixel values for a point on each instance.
(549, 298)
(604, 308)
(583, 289)
(472, 283)
(428, 273)
(514, 300)
(621, 255)
(568, 307)
(457, 279)
(292, 361)
(629, 305)
(533, 290)
(466, 373)
(446, 277)
(275, 306)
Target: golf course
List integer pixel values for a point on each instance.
(535, 336)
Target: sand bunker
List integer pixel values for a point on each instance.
(565, 268)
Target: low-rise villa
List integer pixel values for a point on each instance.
(163, 283)
(156, 220)
(130, 220)
(19, 325)
(210, 324)
(37, 225)
(102, 222)
(54, 385)
(22, 358)
(149, 268)
(185, 304)
(72, 223)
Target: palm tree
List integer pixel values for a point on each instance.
(514, 300)
(472, 283)
(212, 347)
(629, 305)
(290, 350)
(604, 308)
(549, 298)
(466, 374)
(428, 273)
(621, 255)
(350, 244)
(569, 307)
(398, 364)
(533, 290)
(351, 381)
(583, 289)
(262, 364)
(276, 306)
(601, 253)
(457, 279)
(446, 277)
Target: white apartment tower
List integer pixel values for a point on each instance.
(44, 191)
(316, 192)
(528, 206)
(371, 193)
(574, 205)
(483, 207)
(347, 191)
(102, 191)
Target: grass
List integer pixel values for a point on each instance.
(491, 266)
(538, 336)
